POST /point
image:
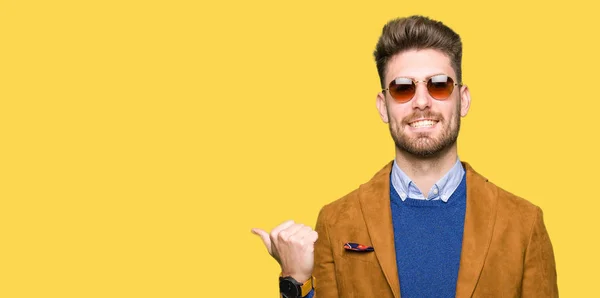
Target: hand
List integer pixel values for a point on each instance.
(292, 245)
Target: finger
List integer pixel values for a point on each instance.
(310, 240)
(290, 231)
(282, 226)
(306, 237)
(302, 233)
(312, 237)
(265, 238)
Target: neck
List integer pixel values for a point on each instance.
(426, 171)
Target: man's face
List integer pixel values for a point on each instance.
(423, 126)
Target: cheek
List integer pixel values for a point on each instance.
(457, 111)
(452, 111)
(397, 114)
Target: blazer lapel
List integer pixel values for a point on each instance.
(374, 199)
(479, 223)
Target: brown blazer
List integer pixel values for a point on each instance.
(506, 251)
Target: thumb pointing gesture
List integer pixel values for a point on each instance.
(292, 246)
(270, 240)
(265, 238)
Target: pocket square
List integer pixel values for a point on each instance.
(358, 247)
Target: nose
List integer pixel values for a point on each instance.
(422, 99)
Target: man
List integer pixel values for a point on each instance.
(427, 224)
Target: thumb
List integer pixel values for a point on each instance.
(265, 238)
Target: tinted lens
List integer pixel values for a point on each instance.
(440, 87)
(402, 89)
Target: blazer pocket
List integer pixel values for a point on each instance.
(362, 256)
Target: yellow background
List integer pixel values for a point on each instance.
(142, 140)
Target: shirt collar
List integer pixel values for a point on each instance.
(441, 190)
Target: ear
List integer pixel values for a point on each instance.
(465, 100)
(382, 107)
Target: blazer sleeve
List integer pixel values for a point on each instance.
(324, 270)
(539, 276)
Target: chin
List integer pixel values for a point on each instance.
(425, 146)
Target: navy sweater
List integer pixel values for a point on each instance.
(428, 239)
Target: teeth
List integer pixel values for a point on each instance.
(422, 123)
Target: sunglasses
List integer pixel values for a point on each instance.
(403, 89)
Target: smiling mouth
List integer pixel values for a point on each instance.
(423, 123)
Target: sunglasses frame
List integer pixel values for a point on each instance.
(415, 82)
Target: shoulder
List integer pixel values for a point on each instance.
(516, 211)
(511, 201)
(509, 207)
(349, 206)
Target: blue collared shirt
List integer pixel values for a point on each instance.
(441, 190)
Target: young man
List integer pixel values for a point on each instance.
(427, 224)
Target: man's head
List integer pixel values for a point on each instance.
(424, 118)
(417, 33)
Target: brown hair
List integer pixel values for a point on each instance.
(417, 33)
